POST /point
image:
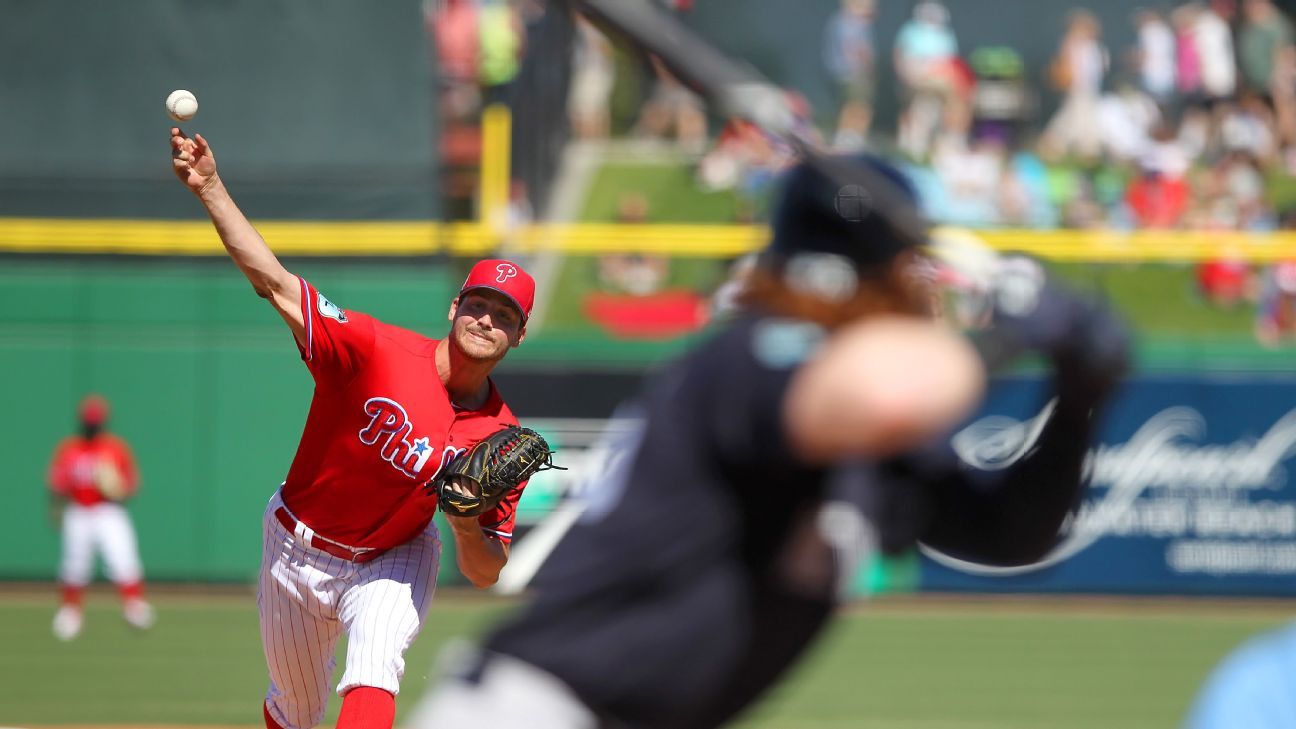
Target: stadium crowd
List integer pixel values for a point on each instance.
(1188, 129)
(1192, 127)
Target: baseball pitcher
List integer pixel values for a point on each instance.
(350, 546)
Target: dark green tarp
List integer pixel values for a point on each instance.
(315, 108)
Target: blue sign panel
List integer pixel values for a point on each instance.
(1189, 491)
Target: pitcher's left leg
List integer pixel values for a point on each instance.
(382, 613)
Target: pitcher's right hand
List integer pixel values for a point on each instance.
(192, 161)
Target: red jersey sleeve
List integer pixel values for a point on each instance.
(338, 342)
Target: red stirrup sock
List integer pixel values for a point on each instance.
(131, 590)
(366, 707)
(72, 595)
(269, 720)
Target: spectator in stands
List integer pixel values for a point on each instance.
(1165, 153)
(519, 212)
(746, 159)
(735, 147)
(743, 159)
(1242, 183)
(1225, 283)
(1195, 133)
(970, 173)
(1126, 118)
(1187, 56)
(632, 208)
(1276, 312)
(453, 26)
(1160, 196)
(926, 62)
(501, 43)
(1248, 126)
(1016, 202)
(1002, 99)
(849, 56)
(672, 107)
(1214, 42)
(636, 274)
(1078, 70)
(632, 273)
(1024, 196)
(1082, 209)
(1282, 90)
(1263, 34)
(593, 74)
(1230, 195)
(1156, 200)
(1155, 55)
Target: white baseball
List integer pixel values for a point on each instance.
(181, 105)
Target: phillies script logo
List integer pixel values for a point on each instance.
(506, 272)
(389, 428)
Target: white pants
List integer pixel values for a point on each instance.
(508, 693)
(107, 528)
(307, 598)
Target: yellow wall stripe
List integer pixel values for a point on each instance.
(196, 238)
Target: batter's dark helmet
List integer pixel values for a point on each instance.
(859, 207)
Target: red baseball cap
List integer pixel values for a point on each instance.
(94, 410)
(506, 277)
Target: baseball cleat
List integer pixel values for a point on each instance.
(67, 623)
(139, 614)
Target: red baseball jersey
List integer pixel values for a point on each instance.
(78, 465)
(380, 425)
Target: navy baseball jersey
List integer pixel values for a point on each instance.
(658, 579)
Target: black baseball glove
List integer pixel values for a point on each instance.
(490, 470)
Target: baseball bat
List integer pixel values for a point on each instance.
(737, 89)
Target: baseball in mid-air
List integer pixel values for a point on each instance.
(181, 105)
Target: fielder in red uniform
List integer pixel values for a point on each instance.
(91, 475)
(349, 545)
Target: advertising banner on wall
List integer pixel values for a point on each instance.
(1190, 491)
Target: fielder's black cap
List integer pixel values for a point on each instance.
(859, 207)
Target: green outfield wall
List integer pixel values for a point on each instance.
(207, 385)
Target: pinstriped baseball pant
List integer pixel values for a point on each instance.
(307, 599)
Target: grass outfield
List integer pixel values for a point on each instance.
(901, 664)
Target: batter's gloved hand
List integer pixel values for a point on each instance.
(1083, 338)
(477, 479)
